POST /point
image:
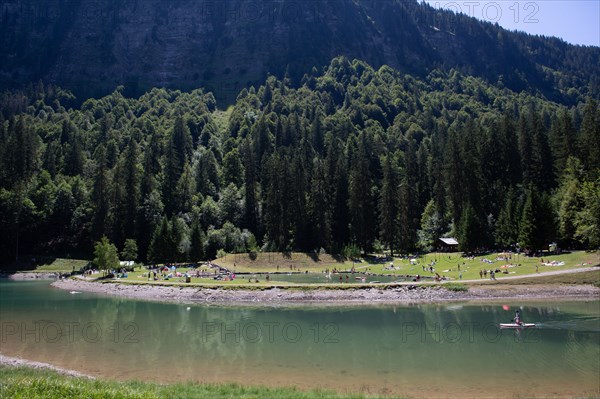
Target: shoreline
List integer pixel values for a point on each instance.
(402, 294)
(32, 275)
(10, 361)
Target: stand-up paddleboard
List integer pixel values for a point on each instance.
(515, 325)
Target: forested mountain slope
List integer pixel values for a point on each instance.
(90, 47)
(354, 157)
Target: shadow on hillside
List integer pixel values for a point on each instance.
(27, 263)
(43, 264)
(314, 256)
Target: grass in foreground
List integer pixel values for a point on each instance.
(24, 382)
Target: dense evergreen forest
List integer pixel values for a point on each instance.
(353, 159)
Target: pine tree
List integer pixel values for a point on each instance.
(569, 200)
(233, 170)
(316, 133)
(185, 190)
(50, 158)
(179, 152)
(536, 157)
(152, 166)
(471, 233)
(588, 218)
(563, 140)
(319, 211)
(537, 221)
(389, 204)
(163, 247)
(277, 219)
(230, 205)
(408, 211)
(101, 195)
(589, 141)
(180, 240)
(149, 217)
(507, 225)
(453, 176)
(340, 225)
(298, 189)
(64, 207)
(75, 158)
(207, 174)
(172, 172)
(21, 156)
(360, 201)
(197, 239)
(511, 155)
(432, 226)
(130, 250)
(132, 184)
(250, 185)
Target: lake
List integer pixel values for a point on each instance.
(451, 349)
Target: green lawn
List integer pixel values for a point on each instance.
(445, 265)
(46, 264)
(62, 265)
(23, 382)
(269, 262)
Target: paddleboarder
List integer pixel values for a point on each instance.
(518, 317)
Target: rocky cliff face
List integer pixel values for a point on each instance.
(92, 46)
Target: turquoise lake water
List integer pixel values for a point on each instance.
(451, 349)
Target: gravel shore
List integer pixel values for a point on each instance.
(399, 294)
(31, 276)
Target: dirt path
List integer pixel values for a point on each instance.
(535, 275)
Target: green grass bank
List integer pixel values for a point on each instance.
(25, 382)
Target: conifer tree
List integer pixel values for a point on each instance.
(101, 195)
(590, 138)
(197, 239)
(388, 203)
(250, 186)
(360, 200)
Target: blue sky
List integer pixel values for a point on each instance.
(575, 21)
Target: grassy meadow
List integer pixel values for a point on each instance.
(46, 264)
(443, 264)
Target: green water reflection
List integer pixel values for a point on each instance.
(440, 350)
